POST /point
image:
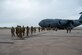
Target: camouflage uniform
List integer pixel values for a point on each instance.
(68, 29)
(39, 29)
(27, 30)
(34, 29)
(31, 29)
(17, 31)
(23, 30)
(20, 32)
(13, 31)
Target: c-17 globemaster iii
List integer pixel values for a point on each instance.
(60, 23)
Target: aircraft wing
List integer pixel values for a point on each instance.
(67, 23)
(70, 23)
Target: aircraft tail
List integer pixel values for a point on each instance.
(80, 17)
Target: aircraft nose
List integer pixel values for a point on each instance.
(41, 23)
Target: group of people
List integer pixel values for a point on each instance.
(21, 31)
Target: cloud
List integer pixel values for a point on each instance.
(30, 12)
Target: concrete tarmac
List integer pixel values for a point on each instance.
(43, 43)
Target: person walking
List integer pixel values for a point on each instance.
(13, 31)
(27, 30)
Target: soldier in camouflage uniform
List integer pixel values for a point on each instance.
(34, 29)
(23, 30)
(13, 31)
(20, 32)
(69, 30)
(39, 29)
(31, 30)
(17, 31)
(27, 30)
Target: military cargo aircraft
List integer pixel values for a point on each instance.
(60, 23)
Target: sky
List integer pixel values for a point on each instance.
(31, 12)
